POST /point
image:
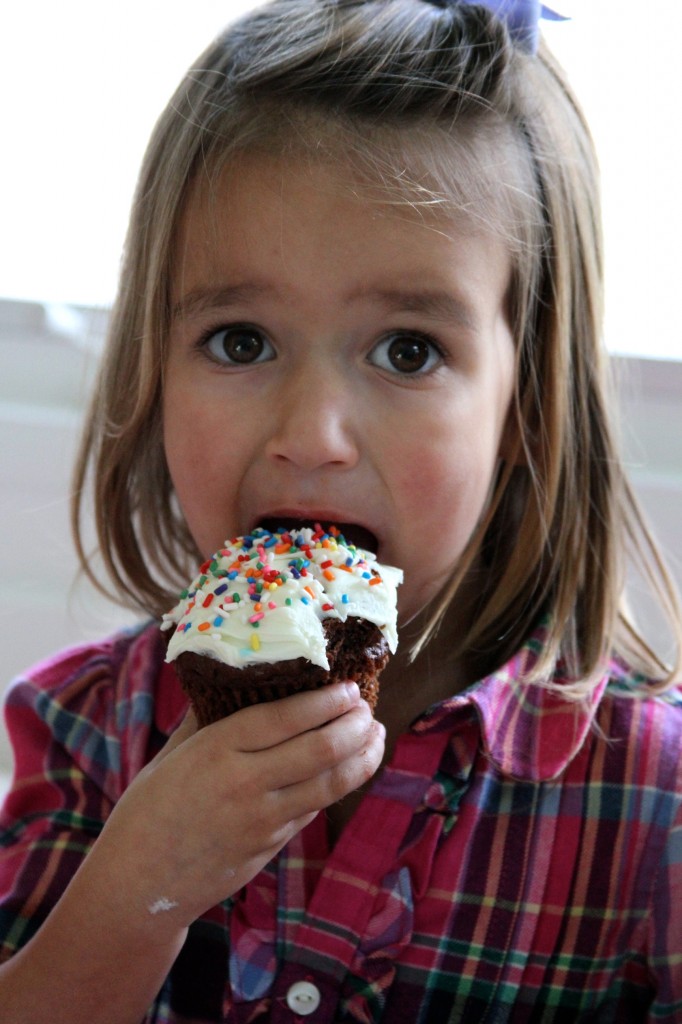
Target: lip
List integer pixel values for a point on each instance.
(355, 530)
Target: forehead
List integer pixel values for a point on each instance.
(277, 193)
(274, 234)
(478, 174)
(445, 193)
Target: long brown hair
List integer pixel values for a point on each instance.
(431, 106)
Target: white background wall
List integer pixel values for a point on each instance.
(44, 378)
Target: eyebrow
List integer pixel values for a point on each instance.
(202, 300)
(433, 303)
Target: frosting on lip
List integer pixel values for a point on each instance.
(264, 597)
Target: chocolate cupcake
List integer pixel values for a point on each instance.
(274, 613)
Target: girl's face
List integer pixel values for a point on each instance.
(339, 360)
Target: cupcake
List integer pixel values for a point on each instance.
(276, 612)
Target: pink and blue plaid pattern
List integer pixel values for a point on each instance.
(520, 859)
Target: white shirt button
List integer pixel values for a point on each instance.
(303, 998)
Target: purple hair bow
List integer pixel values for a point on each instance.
(522, 18)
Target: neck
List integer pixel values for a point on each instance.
(407, 689)
(408, 686)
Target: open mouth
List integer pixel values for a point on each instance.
(353, 533)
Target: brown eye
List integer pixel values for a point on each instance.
(406, 354)
(239, 345)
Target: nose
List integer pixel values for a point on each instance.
(313, 423)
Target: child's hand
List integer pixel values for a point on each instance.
(216, 805)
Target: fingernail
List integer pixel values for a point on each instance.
(353, 690)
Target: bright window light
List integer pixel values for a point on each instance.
(81, 85)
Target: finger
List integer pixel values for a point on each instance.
(317, 750)
(326, 788)
(288, 830)
(263, 726)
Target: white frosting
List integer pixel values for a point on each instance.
(263, 598)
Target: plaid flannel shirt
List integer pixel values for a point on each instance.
(519, 860)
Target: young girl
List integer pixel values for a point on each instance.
(362, 285)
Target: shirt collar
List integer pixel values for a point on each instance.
(529, 731)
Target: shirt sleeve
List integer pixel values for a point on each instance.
(52, 815)
(81, 726)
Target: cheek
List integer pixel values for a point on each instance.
(195, 428)
(179, 439)
(441, 497)
(445, 482)
(202, 472)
